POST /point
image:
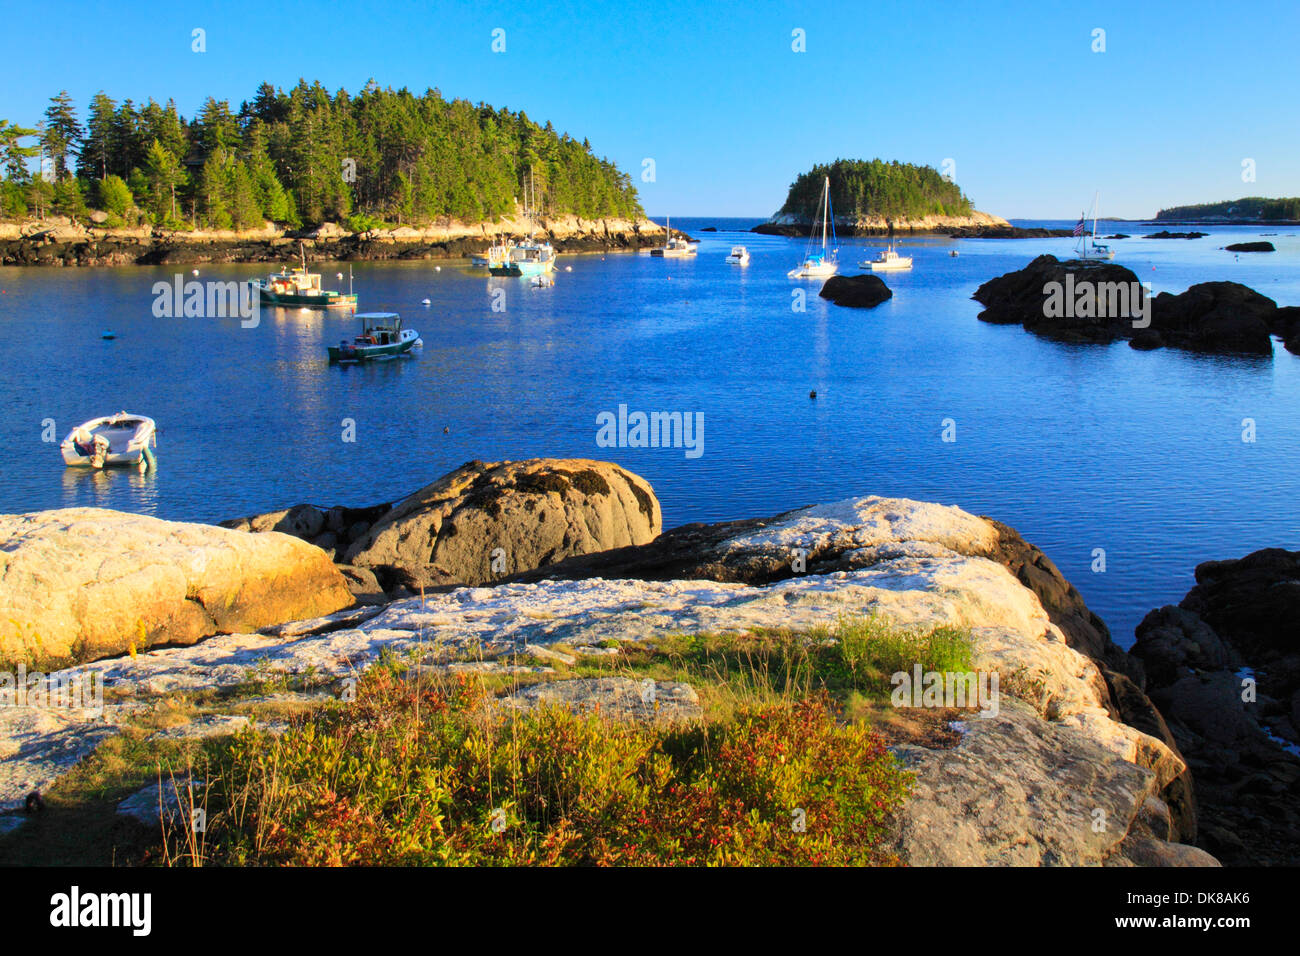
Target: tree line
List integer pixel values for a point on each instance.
(862, 189)
(1251, 207)
(302, 157)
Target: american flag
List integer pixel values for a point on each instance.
(1078, 227)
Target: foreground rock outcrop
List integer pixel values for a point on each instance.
(1100, 302)
(77, 584)
(479, 523)
(1054, 775)
(1224, 668)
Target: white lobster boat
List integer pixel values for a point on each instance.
(739, 256)
(121, 439)
(887, 261)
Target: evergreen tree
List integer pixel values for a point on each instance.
(61, 133)
(97, 146)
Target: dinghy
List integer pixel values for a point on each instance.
(121, 439)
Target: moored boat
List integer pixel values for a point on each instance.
(300, 289)
(887, 261)
(739, 256)
(121, 439)
(817, 265)
(381, 337)
(674, 247)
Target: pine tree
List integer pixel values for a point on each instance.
(97, 146)
(61, 132)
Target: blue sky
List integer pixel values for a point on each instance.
(1034, 121)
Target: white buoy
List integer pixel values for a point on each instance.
(568, 268)
(437, 268)
(340, 276)
(194, 272)
(425, 302)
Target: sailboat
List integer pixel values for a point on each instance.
(675, 247)
(815, 265)
(1091, 248)
(527, 258)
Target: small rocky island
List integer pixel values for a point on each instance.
(877, 198)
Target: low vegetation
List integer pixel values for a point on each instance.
(789, 765)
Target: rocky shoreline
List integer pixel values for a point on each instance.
(57, 242)
(497, 557)
(796, 227)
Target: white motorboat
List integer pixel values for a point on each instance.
(121, 439)
(675, 247)
(816, 265)
(887, 261)
(739, 256)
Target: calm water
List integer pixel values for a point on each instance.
(1077, 447)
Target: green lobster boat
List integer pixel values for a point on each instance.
(300, 289)
(382, 337)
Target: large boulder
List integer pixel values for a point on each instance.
(485, 520)
(859, 292)
(78, 584)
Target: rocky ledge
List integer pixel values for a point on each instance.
(1074, 768)
(1224, 667)
(1099, 302)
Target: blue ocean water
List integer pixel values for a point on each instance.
(1079, 447)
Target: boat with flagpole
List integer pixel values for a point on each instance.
(1090, 248)
(674, 247)
(817, 265)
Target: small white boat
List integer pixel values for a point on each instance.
(1093, 249)
(121, 439)
(887, 261)
(816, 265)
(674, 247)
(739, 256)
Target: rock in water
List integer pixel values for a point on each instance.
(486, 520)
(1250, 247)
(1224, 667)
(1100, 302)
(78, 584)
(859, 292)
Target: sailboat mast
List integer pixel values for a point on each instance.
(826, 204)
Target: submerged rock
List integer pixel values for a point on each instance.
(77, 584)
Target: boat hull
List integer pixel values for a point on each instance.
(370, 353)
(122, 440)
(900, 266)
(289, 300)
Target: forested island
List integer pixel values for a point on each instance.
(870, 197)
(383, 157)
(1248, 209)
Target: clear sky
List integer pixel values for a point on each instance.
(1032, 118)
